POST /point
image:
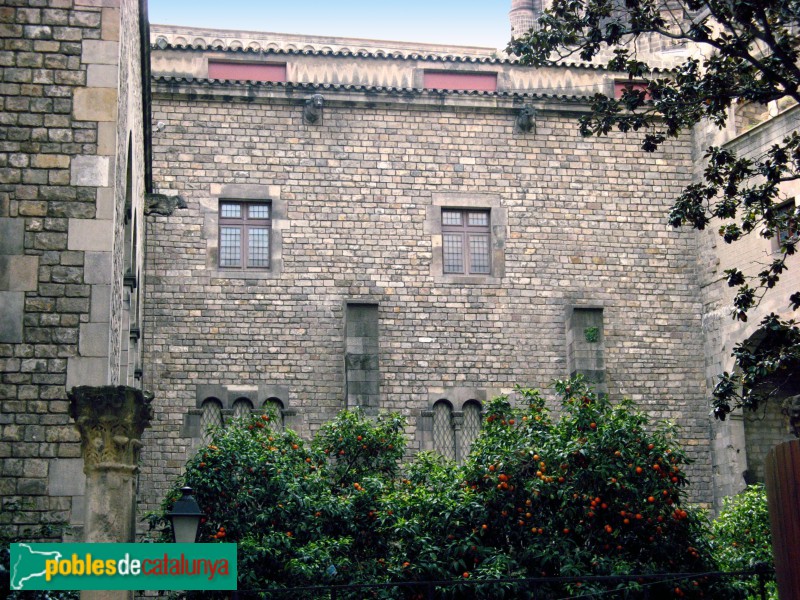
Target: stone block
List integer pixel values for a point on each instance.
(110, 26)
(83, 370)
(98, 268)
(90, 171)
(66, 478)
(78, 508)
(102, 76)
(90, 234)
(19, 273)
(95, 104)
(100, 304)
(100, 52)
(107, 138)
(12, 235)
(93, 340)
(50, 161)
(12, 306)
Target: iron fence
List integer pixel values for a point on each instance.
(755, 584)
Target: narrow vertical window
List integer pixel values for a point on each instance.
(585, 346)
(242, 408)
(362, 374)
(471, 427)
(787, 222)
(274, 407)
(244, 235)
(466, 244)
(211, 417)
(444, 438)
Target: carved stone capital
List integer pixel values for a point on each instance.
(111, 420)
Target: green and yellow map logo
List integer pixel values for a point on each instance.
(123, 566)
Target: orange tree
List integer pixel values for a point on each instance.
(596, 491)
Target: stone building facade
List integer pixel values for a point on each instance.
(357, 306)
(408, 227)
(72, 183)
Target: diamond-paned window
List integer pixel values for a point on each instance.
(274, 407)
(471, 427)
(444, 437)
(242, 408)
(211, 417)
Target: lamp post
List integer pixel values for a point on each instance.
(185, 517)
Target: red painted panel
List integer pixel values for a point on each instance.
(619, 87)
(246, 71)
(455, 80)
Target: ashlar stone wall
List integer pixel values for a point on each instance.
(68, 130)
(575, 223)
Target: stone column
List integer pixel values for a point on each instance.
(111, 420)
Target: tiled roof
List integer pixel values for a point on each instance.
(376, 54)
(166, 79)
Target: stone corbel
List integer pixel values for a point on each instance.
(313, 110)
(525, 120)
(161, 204)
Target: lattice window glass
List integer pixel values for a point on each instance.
(259, 211)
(466, 241)
(211, 417)
(229, 210)
(444, 437)
(479, 253)
(258, 252)
(453, 252)
(478, 219)
(274, 407)
(471, 426)
(451, 217)
(230, 247)
(244, 235)
(242, 408)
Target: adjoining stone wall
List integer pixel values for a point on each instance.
(59, 158)
(721, 331)
(583, 226)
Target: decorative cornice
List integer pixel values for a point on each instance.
(170, 81)
(111, 420)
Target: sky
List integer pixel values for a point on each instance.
(460, 22)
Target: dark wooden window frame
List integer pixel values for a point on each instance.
(791, 229)
(467, 231)
(245, 224)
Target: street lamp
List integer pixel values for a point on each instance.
(185, 517)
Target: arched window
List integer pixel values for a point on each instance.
(471, 427)
(242, 408)
(444, 437)
(212, 417)
(275, 407)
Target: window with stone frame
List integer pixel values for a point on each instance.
(787, 228)
(211, 417)
(244, 235)
(453, 433)
(466, 241)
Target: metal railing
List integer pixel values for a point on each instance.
(628, 587)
